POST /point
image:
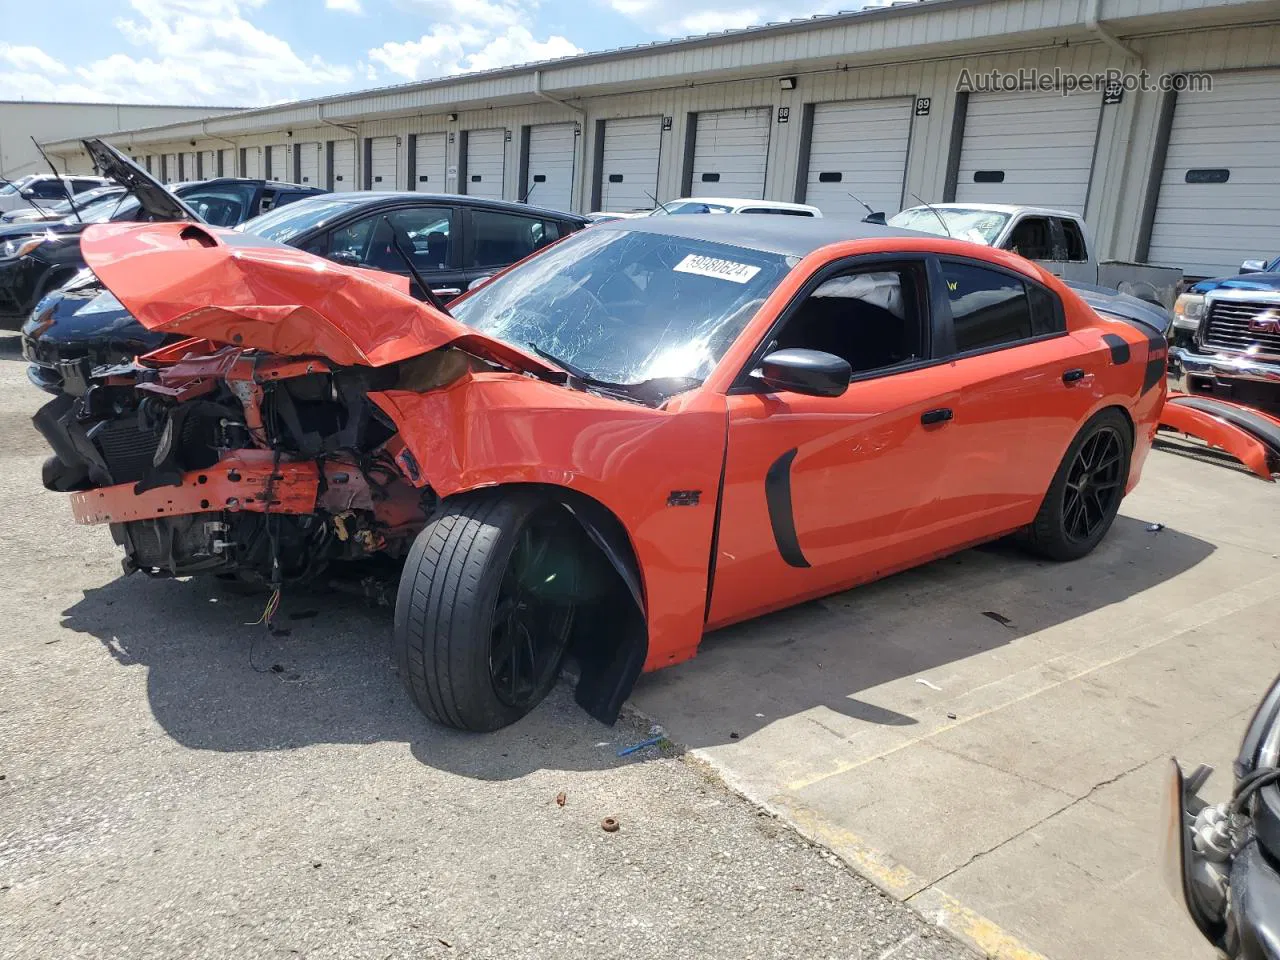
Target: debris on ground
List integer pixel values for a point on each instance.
(643, 744)
(999, 618)
(733, 734)
(951, 716)
(610, 824)
(561, 798)
(927, 683)
(1155, 527)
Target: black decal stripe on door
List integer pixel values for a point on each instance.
(777, 494)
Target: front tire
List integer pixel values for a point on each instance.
(479, 635)
(1085, 494)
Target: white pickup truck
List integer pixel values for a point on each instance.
(1056, 239)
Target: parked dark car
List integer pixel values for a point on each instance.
(52, 211)
(453, 241)
(36, 258)
(1226, 337)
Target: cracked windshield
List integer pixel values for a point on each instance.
(628, 306)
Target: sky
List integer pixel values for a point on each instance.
(257, 52)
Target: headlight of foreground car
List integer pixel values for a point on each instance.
(13, 249)
(1188, 311)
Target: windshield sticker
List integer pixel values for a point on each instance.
(716, 268)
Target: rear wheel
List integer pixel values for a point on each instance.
(485, 608)
(1085, 494)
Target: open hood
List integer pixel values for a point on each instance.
(155, 199)
(240, 289)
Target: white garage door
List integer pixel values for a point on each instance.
(429, 163)
(169, 168)
(207, 165)
(486, 163)
(344, 166)
(187, 166)
(226, 163)
(1029, 148)
(383, 155)
(551, 165)
(280, 164)
(730, 153)
(629, 174)
(309, 163)
(858, 147)
(1220, 195)
(251, 162)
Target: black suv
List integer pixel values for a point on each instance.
(454, 242)
(36, 258)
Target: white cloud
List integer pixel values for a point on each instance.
(346, 6)
(477, 35)
(188, 51)
(30, 58)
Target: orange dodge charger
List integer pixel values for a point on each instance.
(647, 431)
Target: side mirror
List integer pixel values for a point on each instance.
(479, 281)
(810, 372)
(875, 218)
(1253, 266)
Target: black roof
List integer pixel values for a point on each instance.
(788, 236)
(376, 196)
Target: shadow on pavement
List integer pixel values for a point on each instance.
(216, 683)
(826, 652)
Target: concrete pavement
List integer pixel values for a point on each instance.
(985, 737)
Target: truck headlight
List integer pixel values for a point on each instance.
(1188, 311)
(19, 247)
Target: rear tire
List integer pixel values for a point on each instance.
(1085, 494)
(477, 643)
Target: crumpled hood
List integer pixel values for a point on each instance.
(236, 288)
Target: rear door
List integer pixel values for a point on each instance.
(426, 231)
(495, 239)
(1025, 388)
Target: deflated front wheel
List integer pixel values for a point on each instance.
(486, 608)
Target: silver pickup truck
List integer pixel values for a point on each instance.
(1058, 240)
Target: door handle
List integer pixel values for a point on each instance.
(1073, 376)
(940, 415)
(446, 291)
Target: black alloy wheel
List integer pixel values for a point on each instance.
(1095, 484)
(531, 629)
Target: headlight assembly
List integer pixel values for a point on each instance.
(1188, 311)
(19, 247)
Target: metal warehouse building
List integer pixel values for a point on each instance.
(871, 104)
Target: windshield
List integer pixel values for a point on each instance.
(976, 226)
(693, 206)
(284, 223)
(628, 306)
(122, 207)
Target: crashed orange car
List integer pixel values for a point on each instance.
(650, 430)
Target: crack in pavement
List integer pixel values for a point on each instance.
(1021, 833)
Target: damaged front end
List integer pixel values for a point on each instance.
(220, 459)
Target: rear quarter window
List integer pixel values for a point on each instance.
(991, 308)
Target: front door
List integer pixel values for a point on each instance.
(824, 492)
(426, 233)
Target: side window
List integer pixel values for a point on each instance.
(871, 318)
(80, 186)
(47, 190)
(1076, 250)
(422, 232)
(500, 239)
(1031, 238)
(289, 196)
(991, 308)
(223, 206)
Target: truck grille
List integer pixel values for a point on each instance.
(1228, 327)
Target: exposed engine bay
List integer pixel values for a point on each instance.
(219, 459)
